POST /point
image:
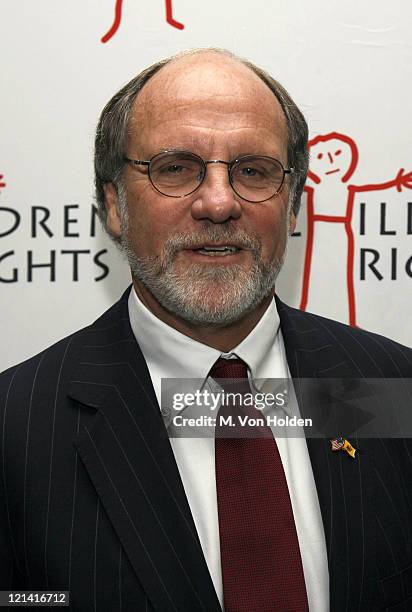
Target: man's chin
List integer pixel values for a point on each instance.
(207, 315)
(212, 304)
(200, 273)
(206, 295)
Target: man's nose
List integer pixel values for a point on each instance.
(215, 199)
(330, 157)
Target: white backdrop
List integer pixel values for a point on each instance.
(347, 65)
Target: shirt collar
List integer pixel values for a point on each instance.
(258, 345)
(171, 354)
(166, 350)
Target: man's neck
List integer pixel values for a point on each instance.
(221, 338)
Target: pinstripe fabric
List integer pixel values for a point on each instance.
(366, 504)
(91, 498)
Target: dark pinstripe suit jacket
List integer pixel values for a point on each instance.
(91, 499)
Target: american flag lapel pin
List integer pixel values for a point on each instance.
(340, 443)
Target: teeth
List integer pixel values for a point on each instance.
(222, 249)
(217, 251)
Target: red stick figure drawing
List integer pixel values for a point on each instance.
(2, 184)
(118, 18)
(330, 199)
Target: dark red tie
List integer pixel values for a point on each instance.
(260, 556)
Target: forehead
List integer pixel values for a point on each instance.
(205, 97)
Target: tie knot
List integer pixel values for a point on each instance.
(229, 368)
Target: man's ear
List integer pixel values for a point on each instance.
(112, 206)
(292, 222)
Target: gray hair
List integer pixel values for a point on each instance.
(112, 130)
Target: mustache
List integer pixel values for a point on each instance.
(220, 235)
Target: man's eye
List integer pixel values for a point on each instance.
(253, 172)
(174, 169)
(248, 171)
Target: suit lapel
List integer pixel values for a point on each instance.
(344, 485)
(131, 464)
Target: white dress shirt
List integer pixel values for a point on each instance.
(171, 354)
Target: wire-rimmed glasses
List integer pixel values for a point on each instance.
(176, 174)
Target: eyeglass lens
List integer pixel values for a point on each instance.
(253, 178)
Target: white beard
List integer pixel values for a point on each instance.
(203, 295)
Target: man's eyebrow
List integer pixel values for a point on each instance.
(234, 152)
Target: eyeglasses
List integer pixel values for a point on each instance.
(176, 174)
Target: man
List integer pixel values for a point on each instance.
(200, 165)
